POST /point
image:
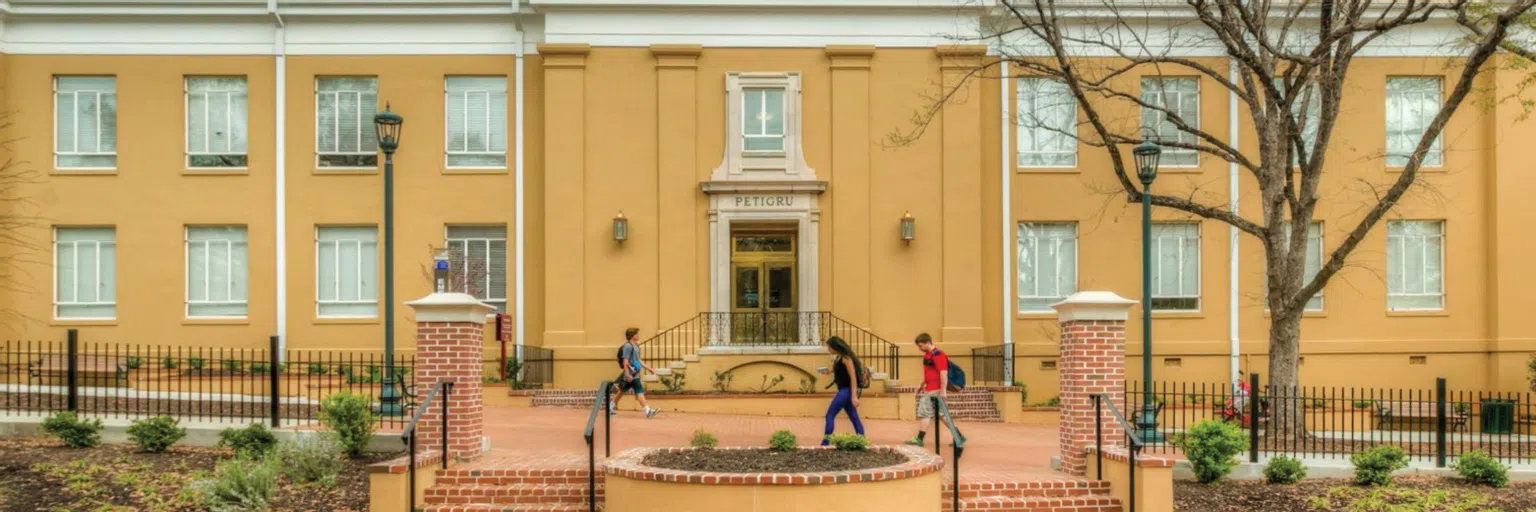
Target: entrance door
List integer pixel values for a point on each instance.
(763, 287)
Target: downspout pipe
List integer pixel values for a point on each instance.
(1232, 233)
(280, 172)
(519, 253)
(1005, 171)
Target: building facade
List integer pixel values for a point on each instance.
(207, 174)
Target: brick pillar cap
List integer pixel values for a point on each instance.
(450, 307)
(1083, 306)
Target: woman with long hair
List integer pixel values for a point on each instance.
(845, 375)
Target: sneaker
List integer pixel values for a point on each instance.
(613, 409)
(650, 412)
(915, 442)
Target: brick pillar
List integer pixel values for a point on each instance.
(450, 346)
(1092, 362)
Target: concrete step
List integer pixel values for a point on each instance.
(521, 494)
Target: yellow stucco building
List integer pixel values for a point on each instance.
(207, 175)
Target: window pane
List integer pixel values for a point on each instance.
(476, 129)
(773, 110)
(216, 121)
(752, 111)
(1412, 103)
(348, 271)
(1181, 96)
(86, 113)
(86, 281)
(478, 262)
(1047, 266)
(345, 107)
(1047, 118)
(1415, 265)
(1176, 266)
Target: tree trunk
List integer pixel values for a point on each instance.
(1287, 416)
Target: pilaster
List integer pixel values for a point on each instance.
(850, 196)
(960, 122)
(678, 199)
(565, 224)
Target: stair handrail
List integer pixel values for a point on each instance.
(598, 402)
(1099, 401)
(941, 408)
(893, 358)
(409, 434)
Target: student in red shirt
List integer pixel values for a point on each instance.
(935, 380)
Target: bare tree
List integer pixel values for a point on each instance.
(20, 253)
(1288, 65)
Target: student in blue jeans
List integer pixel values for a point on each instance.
(845, 374)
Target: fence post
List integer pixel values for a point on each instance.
(274, 394)
(1440, 422)
(1253, 418)
(72, 370)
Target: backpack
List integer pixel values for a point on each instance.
(956, 375)
(619, 357)
(865, 376)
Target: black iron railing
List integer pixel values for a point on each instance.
(1435, 424)
(768, 329)
(1133, 442)
(538, 368)
(196, 383)
(992, 365)
(409, 434)
(941, 410)
(599, 404)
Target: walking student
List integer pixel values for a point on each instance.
(935, 380)
(630, 364)
(845, 375)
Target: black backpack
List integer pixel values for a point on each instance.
(620, 356)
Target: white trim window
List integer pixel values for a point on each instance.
(1312, 263)
(347, 271)
(1175, 266)
(217, 262)
(85, 272)
(1182, 96)
(1416, 265)
(85, 122)
(1412, 103)
(476, 109)
(1308, 107)
(1047, 264)
(216, 121)
(477, 259)
(762, 122)
(1047, 124)
(344, 110)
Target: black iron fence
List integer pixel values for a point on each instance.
(280, 387)
(1435, 424)
(538, 368)
(991, 365)
(755, 328)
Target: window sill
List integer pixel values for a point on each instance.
(1034, 315)
(466, 171)
(1177, 315)
(1424, 313)
(216, 321)
(345, 171)
(231, 171)
(321, 320)
(84, 172)
(83, 322)
(1305, 314)
(1436, 169)
(1047, 170)
(1194, 169)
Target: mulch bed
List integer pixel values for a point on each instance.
(42, 475)
(769, 461)
(1418, 494)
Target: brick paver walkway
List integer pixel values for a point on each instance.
(552, 437)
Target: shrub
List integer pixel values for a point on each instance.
(1023, 391)
(74, 432)
(233, 366)
(849, 442)
(311, 459)
(1479, 468)
(782, 441)
(156, 434)
(352, 420)
(1284, 470)
(134, 362)
(1194, 399)
(1210, 446)
(703, 440)
(344, 370)
(317, 369)
(514, 373)
(808, 384)
(1375, 466)
(674, 383)
(1361, 404)
(260, 369)
(252, 442)
(169, 363)
(722, 380)
(196, 364)
(240, 486)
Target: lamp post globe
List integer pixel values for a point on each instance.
(1147, 154)
(387, 125)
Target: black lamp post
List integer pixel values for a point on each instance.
(388, 125)
(1147, 154)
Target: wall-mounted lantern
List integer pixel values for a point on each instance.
(620, 227)
(440, 269)
(908, 228)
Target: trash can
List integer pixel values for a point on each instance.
(1498, 416)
